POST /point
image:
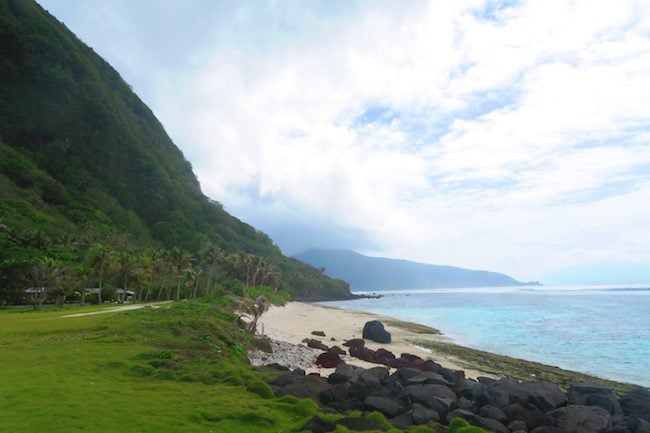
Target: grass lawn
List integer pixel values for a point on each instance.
(177, 368)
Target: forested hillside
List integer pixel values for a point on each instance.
(85, 164)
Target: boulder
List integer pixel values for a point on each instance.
(428, 377)
(360, 390)
(402, 422)
(287, 379)
(545, 395)
(355, 342)
(422, 414)
(315, 344)
(375, 374)
(389, 407)
(582, 419)
(329, 359)
(352, 372)
(338, 398)
(589, 394)
(633, 425)
(532, 416)
(463, 403)
(637, 403)
(363, 353)
(549, 429)
(426, 396)
(318, 333)
(383, 356)
(469, 388)
(477, 420)
(403, 375)
(517, 425)
(452, 376)
(492, 412)
(406, 360)
(309, 387)
(374, 330)
(502, 392)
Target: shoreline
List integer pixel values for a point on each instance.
(296, 320)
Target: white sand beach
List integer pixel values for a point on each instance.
(296, 320)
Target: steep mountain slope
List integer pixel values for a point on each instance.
(378, 273)
(81, 154)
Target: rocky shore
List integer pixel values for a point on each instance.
(409, 390)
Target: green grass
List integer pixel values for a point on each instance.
(176, 368)
(148, 370)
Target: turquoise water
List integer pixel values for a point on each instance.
(604, 331)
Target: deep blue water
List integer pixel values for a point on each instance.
(604, 331)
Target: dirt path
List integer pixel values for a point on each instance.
(116, 309)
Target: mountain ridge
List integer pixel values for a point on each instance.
(82, 157)
(382, 273)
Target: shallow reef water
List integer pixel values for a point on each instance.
(600, 330)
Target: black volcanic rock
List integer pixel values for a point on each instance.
(582, 419)
(374, 330)
(589, 394)
(637, 403)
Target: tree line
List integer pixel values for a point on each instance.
(36, 268)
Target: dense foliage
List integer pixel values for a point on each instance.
(83, 162)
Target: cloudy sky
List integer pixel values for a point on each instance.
(512, 136)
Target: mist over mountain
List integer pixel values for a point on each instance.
(380, 273)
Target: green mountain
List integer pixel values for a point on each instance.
(83, 158)
(379, 273)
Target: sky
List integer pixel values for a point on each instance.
(512, 136)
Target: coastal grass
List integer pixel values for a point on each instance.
(501, 365)
(178, 367)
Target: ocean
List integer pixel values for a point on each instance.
(600, 330)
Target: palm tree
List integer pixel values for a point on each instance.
(83, 274)
(193, 274)
(251, 310)
(212, 256)
(126, 267)
(100, 259)
(179, 260)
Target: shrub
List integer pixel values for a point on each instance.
(260, 388)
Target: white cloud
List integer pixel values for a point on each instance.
(518, 142)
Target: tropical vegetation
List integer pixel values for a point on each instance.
(93, 192)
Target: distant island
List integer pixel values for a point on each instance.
(380, 273)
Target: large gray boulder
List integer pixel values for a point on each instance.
(637, 403)
(388, 406)
(432, 396)
(374, 330)
(477, 420)
(422, 414)
(589, 394)
(545, 395)
(582, 419)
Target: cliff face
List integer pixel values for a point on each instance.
(81, 153)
